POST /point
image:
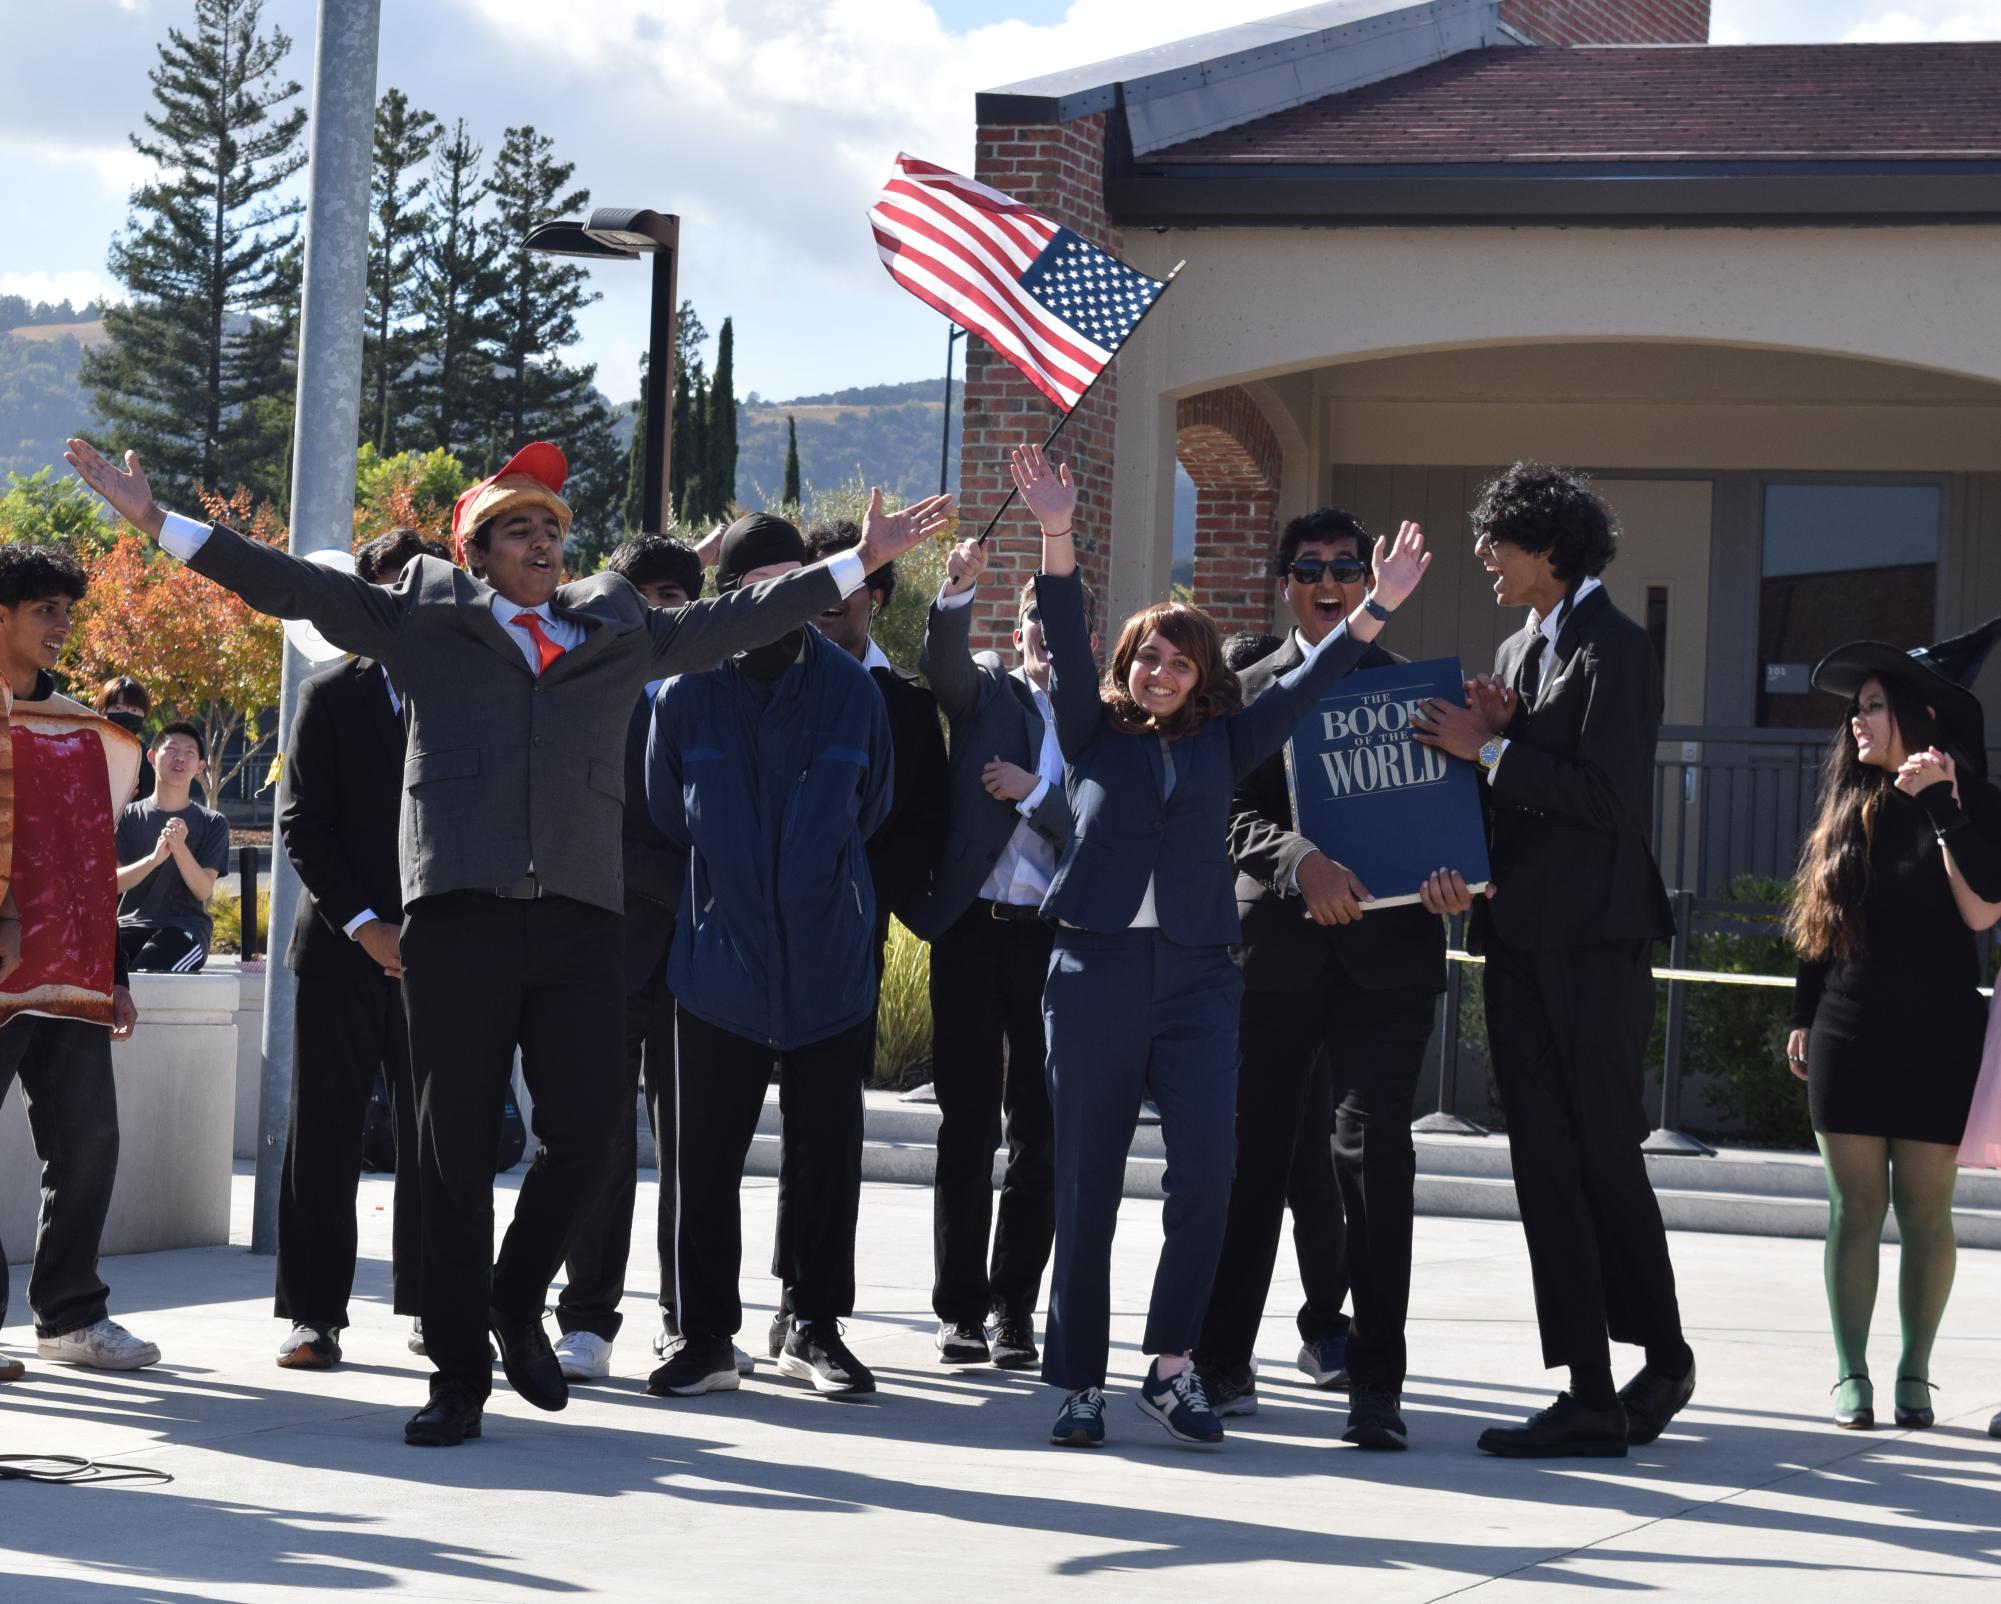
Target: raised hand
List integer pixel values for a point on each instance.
(888, 535)
(1045, 491)
(126, 490)
(1399, 567)
(709, 551)
(963, 567)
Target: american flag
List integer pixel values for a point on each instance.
(1047, 299)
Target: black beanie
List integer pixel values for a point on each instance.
(753, 542)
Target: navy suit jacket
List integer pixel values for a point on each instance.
(1126, 831)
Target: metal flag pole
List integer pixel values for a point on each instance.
(1050, 440)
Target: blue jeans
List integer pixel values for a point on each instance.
(1128, 1015)
(64, 1067)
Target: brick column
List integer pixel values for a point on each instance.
(1059, 169)
(1234, 458)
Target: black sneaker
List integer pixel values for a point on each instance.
(1232, 1391)
(1373, 1421)
(310, 1347)
(1013, 1339)
(1181, 1405)
(781, 1328)
(962, 1342)
(1567, 1429)
(814, 1352)
(698, 1365)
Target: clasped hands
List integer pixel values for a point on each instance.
(1462, 731)
(1926, 768)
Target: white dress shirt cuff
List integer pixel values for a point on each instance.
(1028, 804)
(181, 538)
(1496, 769)
(846, 569)
(964, 598)
(360, 919)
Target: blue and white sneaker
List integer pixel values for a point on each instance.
(1082, 1422)
(1180, 1405)
(1326, 1362)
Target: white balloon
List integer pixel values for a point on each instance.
(305, 637)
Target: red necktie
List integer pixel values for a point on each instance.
(545, 648)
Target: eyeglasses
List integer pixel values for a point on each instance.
(1486, 546)
(1345, 570)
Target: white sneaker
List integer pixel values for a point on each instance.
(106, 1345)
(668, 1338)
(584, 1356)
(416, 1343)
(744, 1363)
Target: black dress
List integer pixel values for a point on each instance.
(1917, 979)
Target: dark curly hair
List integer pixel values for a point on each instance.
(1538, 509)
(1247, 647)
(658, 559)
(825, 538)
(1194, 632)
(1323, 523)
(36, 573)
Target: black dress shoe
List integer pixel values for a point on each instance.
(1863, 1416)
(1651, 1400)
(531, 1365)
(445, 1422)
(1565, 1430)
(1918, 1416)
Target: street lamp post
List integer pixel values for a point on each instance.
(620, 234)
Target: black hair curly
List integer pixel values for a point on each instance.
(1538, 508)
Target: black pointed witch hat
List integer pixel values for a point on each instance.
(1943, 674)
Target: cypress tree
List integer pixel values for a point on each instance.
(633, 511)
(190, 379)
(792, 495)
(687, 463)
(455, 306)
(719, 468)
(692, 517)
(404, 139)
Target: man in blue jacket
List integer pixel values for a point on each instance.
(772, 771)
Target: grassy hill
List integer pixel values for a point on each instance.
(41, 403)
(889, 433)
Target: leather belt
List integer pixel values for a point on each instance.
(526, 889)
(1014, 912)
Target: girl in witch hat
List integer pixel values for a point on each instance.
(1901, 868)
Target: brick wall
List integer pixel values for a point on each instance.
(1232, 455)
(1058, 169)
(1610, 22)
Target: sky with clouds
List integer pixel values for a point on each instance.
(766, 124)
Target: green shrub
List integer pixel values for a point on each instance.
(227, 911)
(1737, 1034)
(903, 1024)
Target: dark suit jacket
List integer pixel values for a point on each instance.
(342, 793)
(992, 714)
(655, 869)
(507, 770)
(912, 834)
(1127, 830)
(1283, 949)
(1571, 805)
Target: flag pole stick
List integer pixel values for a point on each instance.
(1050, 440)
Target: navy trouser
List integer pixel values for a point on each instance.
(1130, 1015)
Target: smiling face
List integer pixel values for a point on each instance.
(1162, 677)
(1318, 605)
(523, 555)
(32, 635)
(1521, 578)
(847, 623)
(1873, 723)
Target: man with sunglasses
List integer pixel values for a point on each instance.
(1317, 975)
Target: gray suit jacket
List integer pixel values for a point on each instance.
(507, 772)
(991, 714)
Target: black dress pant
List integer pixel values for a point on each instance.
(64, 1067)
(1319, 1221)
(481, 975)
(601, 1242)
(987, 1058)
(1374, 1042)
(347, 1028)
(720, 1080)
(1568, 1031)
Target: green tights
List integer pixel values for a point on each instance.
(1867, 1175)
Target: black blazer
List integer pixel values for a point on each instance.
(1283, 949)
(655, 869)
(912, 834)
(1571, 805)
(337, 816)
(992, 714)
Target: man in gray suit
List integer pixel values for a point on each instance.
(989, 955)
(517, 692)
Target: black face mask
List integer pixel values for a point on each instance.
(127, 718)
(766, 663)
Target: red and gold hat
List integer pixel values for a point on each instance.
(532, 477)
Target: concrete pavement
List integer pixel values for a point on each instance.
(289, 1486)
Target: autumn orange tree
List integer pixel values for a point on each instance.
(202, 652)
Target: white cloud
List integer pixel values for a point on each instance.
(1926, 20)
(118, 168)
(78, 285)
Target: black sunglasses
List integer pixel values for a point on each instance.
(1346, 570)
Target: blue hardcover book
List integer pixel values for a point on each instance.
(1369, 795)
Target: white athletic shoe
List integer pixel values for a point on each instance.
(106, 1345)
(416, 1343)
(744, 1363)
(584, 1356)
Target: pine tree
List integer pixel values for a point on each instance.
(190, 379)
(404, 140)
(456, 309)
(692, 516)
(719, 461)
(687, 462)
(792, 492)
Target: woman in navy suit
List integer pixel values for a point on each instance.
(1142, 997)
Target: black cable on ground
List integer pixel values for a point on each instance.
(66, 1470)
